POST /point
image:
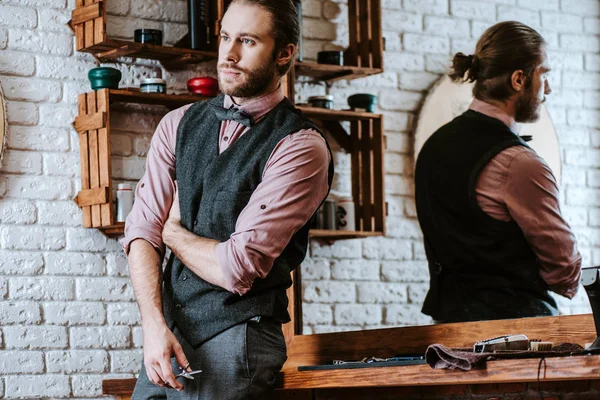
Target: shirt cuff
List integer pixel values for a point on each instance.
(235, 283)
(147, 235)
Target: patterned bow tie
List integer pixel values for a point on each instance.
(234, 114)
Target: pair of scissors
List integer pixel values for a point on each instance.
(185, 374)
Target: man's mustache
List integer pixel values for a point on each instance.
(231, 67)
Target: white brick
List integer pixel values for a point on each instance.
(417, 293)
(591, 100)
(20, 17)
(36, 337)
(104, 289)
(39, 3)
(314, 314)
(124, 27)
(566, 98)
(128, 168)
(31, 238)
(135, 122)
(126, 361)
(21, 362)
(43, 188)
(386, 293)
(399, 185)
(426, 44)
(581, 80)
(595, 139)
(574, 135)
(76, 361)
(81, 239)
(398, 142)
(444, 26)
(313, 8)
(581, 7)
(594, 218)
(63, 68)
(593, 178)
(3, 290)
(391, 42)
(61, 164)
(401, 21)
(137, 336)
(38, 138)
(31, 89)
(72, 89)
(591, 25)
(87, 385)
(583, 157)
(20, 263)
(117, 7)
(539, 4)
(100, 337)
(583, 197)
(329, 292)
(403, 61)
(41, 288)
(16, 63)
(116, 264)
(439, 7)
(17, 212)
(3, 38)
(439, 64)
(466, 46)
(19, 313)
(583, 43)
(565, 60)
(318, 29)
(61, 263)
(573, 176)
(37, 386)
(56, 20)
(419, 81)
(395, 100)
(59, 213)
(592, 62)
(162, 10)
(121, 145)
(316, 269)
(562, 22)
(57, 116)
(74, 313)
(407, 271)
(387, 249)
(355, 270)
(359, 314)
(400, 314)
(528, 17)
(41, 42)
(337, 250)
(580, 117)
(123, 314)
(473, 10)
(22, 113)
(331, 11)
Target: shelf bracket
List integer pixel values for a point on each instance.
(91, 197)
(89, 122)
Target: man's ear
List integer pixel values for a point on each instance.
(517, 80)
(286, 54)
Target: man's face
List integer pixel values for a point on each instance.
(246, 65)
(530, 101)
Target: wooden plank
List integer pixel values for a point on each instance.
(118, 386)
(79, 30)
(329, 234)
(364, 24)
(376, 35)
(89, 27)
(88, 122)
(100, 24)
(378, 176)
(104, 159)
(351, 54)
(122, 51)
(93, 152)
(366, 147)
(294, 327)
(168, 100)
(84, 160)
(499, 371)
(324, 114)
(339, 134)
(88, 197)
(356, 168)
(86, 13)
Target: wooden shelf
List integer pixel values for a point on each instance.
(169, 100)
(336, 235)
(324, 114)
(332, 73)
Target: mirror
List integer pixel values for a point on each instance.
(3, 124)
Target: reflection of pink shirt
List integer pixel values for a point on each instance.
(293, 185)
(518, 185)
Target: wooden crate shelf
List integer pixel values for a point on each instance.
(332, 73)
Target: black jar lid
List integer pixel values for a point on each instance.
(148, 31)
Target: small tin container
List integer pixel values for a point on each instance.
(153, 85)
(365, 101)
(104, 78)
(321, 101)
(330, 57)
(329, 215)
(148, 36)
(203, 85)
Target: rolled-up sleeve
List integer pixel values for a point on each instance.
(532, 200)
(154, 192)
(295, 182)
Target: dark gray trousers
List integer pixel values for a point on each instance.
(240, 363)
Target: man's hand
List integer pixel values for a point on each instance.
(159, 345)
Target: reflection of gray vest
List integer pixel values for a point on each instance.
(213, 189)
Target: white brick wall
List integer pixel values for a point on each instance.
(67, 313)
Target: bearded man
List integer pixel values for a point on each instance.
(488, 205)
(230, 186)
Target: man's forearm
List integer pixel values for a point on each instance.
(196, 253)
(146, 275)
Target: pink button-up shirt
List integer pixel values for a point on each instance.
(518, 185)
(294, 183)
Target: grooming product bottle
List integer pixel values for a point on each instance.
(199, 24)
(124, 201)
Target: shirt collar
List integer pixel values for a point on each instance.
(494, 112)
(258, 107)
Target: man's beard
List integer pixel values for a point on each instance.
(254, 82)
(527, 108)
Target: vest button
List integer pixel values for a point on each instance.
(184, 277)
(178, 306)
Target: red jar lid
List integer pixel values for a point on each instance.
(203, 82)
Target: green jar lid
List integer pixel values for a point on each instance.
(104, 78)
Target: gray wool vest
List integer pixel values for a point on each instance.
(213, 190)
